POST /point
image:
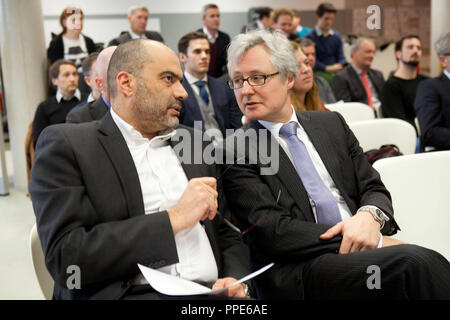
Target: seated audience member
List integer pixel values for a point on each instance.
(432, 104)
(126, 207)
(359, 82)
(323, 87)
(218, 40)
(264, 20)
(304, 94)
(64, 76)
(209, 99)
(95, 110)
(137, 17)
(283, 21)
(399, 91)
(299, 30)
(89, 73)
(322, 214)
(329, 52)
(71, 44)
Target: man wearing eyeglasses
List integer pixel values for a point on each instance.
(324, 216)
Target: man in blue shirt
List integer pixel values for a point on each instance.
(329, 53)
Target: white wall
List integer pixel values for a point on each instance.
(105, 19)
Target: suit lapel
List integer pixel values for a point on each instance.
(119, 154)
(356, 81)
(216, 100)
(192, 109)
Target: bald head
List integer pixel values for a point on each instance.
(132, 56)
(101, 67)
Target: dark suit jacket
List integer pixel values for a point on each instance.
(227, 112)
(94, 110)
(432, 106)
(90, 213)
(125, 36)
(222, 42)
(347, 85)
(286, 233)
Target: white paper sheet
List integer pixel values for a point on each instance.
(174, 286)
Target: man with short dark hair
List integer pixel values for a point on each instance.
(209, 99)
(398, 93)
(329, 52)
(137, 17)
(218, 40)
(89, 74)
(111, 194)
(263, 20)
(64, 76)
(432, 104)
(359, 82)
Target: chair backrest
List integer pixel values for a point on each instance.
(420, 187)
(372, 134)
(352, 111)
(44, 278)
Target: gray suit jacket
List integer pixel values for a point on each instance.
(94, 110)
(90, 213)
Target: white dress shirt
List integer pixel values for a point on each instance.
(191, 80)
(274, 128)
(212, 38)
(163, 181)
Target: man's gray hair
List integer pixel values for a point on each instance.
(357, 45)
(133, 9)
(442, 45)
(208, 6)
(282, 54)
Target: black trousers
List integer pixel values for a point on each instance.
(397, 272)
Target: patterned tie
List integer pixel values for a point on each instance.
(327, 211)
(367, 87)
(203, 93)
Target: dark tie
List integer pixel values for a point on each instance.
(203, 93)
(327, 211)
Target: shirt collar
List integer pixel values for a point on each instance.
(259, 24)
(274, 127)
(134, 138)
(447, 74)
(136, 36)
(59, 96)
(320, 32)
(211, 38)
(191, 79)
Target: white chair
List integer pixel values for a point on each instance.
(420, 187)
(37, 256)
(372, 134)
(352, 111)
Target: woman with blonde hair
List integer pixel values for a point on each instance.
(304, 93)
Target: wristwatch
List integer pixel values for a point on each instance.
(377, 214)
(246, 289)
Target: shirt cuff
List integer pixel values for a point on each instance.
(380, 243)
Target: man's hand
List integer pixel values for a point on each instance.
(387, 242)
(360, 232)
(334, 68)
(198, 202)
(236, 291)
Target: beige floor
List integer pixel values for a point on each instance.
(17, 280)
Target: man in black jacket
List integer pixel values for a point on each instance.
(137, 16)
(103, 204)
(359, 82)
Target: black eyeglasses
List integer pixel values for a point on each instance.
(254, 80)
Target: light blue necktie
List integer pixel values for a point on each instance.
(203, 93)
(327, 211)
